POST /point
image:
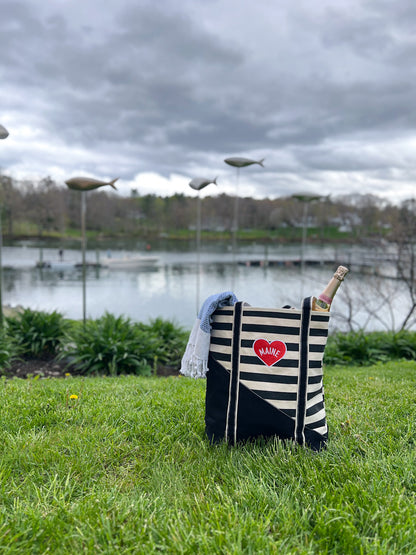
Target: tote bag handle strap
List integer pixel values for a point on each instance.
(303, 370)
(232, 408)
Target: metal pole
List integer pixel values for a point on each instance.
(198, 249)
(235, 227)
(238, 162)
(304, 230)
(3, 135)
(83, 244)
(1, 271)
(304, 235)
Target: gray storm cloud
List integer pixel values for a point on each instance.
(323, 93)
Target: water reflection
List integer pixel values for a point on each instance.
(168, 288)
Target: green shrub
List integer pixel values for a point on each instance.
(8, 350)
(400, 345)
(110, 345)
(363, 348)
(169, 340)
(37, 334)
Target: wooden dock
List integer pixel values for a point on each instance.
(382, 266)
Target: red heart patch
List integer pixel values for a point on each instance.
(269, 352)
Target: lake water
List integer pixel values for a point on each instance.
(169, 288)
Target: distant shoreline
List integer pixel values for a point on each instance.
(279, 236)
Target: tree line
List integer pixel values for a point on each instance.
(44, 207)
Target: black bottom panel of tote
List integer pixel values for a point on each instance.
(255, 417)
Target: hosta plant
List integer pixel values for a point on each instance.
(169, 340)
(36, 333)
(109, 345)
(359, 347)
(8, 351)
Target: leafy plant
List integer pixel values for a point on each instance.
(169, 340)
(8, 350)
(37, 333)
(359, 347)
(109, 345)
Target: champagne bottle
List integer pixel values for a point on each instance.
(323, 302)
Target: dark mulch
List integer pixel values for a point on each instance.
(45, 368)
(52, 368)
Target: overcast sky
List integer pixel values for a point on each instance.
(160, 92)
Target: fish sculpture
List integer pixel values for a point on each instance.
(199, 183)
(238, 162)
(88, 184)
(3, 132)
(306, 197)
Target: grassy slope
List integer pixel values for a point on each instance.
(125, 468)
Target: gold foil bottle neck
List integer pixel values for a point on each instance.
(341, 272)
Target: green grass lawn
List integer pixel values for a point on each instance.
(126, 468)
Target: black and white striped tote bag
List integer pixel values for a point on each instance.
(265, 374)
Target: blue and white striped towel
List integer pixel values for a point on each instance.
(195, 359)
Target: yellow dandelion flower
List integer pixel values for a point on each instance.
(73, 397)
(67, 374)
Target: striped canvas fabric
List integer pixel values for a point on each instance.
(271, 358)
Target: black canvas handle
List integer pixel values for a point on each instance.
(303, 370)
(232, 409)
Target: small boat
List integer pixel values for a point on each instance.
(54, 265)
(128, 262)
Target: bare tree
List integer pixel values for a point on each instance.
(405, 235)
(388, 299)
(374, 300)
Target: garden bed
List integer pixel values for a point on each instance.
(52, 368)
(46, 345)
